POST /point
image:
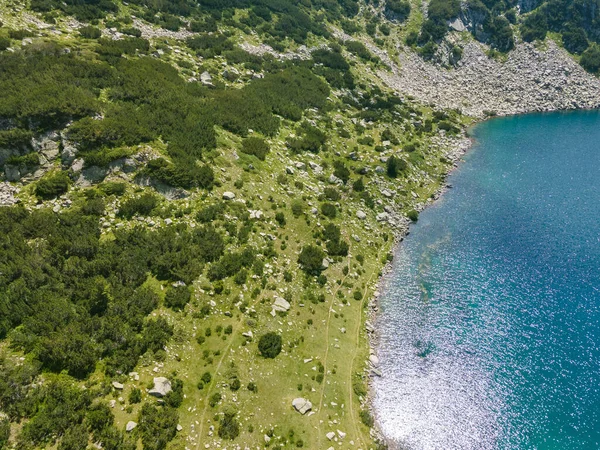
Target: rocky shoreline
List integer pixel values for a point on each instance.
(457, 148)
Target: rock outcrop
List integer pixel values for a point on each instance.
(162, 386)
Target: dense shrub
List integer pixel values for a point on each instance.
(90, 32)
(269, 345)
(534, 27)
(311, 259)
(229, 427)
(329, 210)
(395, 166)
(590, 59)
(52, 185)
(255, 146)
(142, 205)
(177, 297)
(413, 215)
(397, 9)
(158, 426)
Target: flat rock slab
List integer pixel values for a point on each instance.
(301, 405)
(162, 386)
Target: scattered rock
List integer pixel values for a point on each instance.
(330, 435)
(206, 78)
(361, 215)
(228, 195)
(382, 217)
(130, 426)
(117, 385)
(373, 359)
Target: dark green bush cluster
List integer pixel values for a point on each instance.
(310, 139)
(287, 93)
(397, 10)
(141, 206)
(359, 49)
(311, 259)
(395, 166)
(229, 427)
(334, 243)
(269, 345)
(157, 426)
(83, 279)
(255, 146)
(231, 263)
(83, 11)
(177, 297)
(52, 185)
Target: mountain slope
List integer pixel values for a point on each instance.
(208, 192)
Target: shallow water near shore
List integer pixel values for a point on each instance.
(490, 319)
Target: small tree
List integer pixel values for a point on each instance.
(395, 166)
(177, 297)
(229, 428)
(269, 345)
(311, 259)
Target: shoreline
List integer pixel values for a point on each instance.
(462, 146)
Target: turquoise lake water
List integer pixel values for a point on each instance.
(490, 320)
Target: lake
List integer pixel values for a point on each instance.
(490, 320)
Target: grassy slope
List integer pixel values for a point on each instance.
(343, 354)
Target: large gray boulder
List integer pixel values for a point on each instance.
(301, 405)
(162, 386)
(281, 304)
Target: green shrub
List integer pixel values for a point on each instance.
(590, 59)
(229, 427)
(52, 185)
(395, 166)
(206, 377)
(413, 215)
(157, 426)
(269, 345)
(255, 146)
(135, 396)
(4, 43)
(113, 188)
(177, 297)
(90, 32)
(311, 259)
(142, 205)
(329, 210)
(366, 418)
(215, 399)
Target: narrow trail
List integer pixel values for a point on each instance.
(212, 383)
(357, 430)
(330, 306)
